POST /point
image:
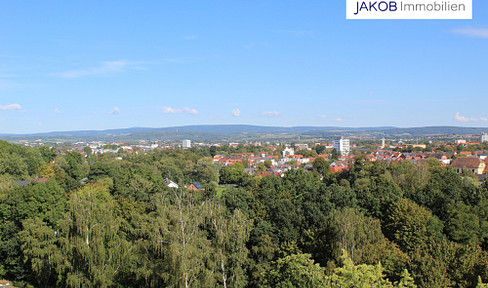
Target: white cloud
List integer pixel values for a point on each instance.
(169, 110)
(114, 111)
(460, 118)
(10, 107)
(323, 116)
(472, 32)
(191, 111)
(484, 119)
(271, 114)
(338, 119)
(236, 112)
(57, 111)
(107, 67)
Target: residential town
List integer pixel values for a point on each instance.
(278, 158)
(285, 190)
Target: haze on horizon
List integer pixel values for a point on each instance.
(90, 65)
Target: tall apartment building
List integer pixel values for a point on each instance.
(484, 137)
(186, 144)
(288, 151)
(343, 146)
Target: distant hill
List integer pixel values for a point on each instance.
(436, 130)
(241, 132)
(222, 129)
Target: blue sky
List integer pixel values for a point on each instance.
(72, 65)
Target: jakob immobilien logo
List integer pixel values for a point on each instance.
(410, 9)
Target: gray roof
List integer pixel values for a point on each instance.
(197, 185)
(22, 183)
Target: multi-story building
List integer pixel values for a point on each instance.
(186, 144)
(288, 151)
(484, 137)
(343, 146)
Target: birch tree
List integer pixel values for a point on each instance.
(92, 247)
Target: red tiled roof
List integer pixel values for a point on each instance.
(41, 180)
(336, 169)
(466, 162)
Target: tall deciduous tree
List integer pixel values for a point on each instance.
(321, 166)
(91, 244)
(230, 235)
(364, 276)
(182, 242)
(233, 174)
(349, 230)
(411, 226)
(45, 201)
(296, 270)
(42, 253)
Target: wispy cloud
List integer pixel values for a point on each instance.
(236, 112)
(10, 107)
(460, 118)
(323, 116)
(338, 120)
(105, 68)
(169, 110)
(271, 114)
(472, 32)
(57, 111)
(114, 111)
(484, 119)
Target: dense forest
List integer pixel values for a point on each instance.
(112, 221)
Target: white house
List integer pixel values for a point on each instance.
(170, 183)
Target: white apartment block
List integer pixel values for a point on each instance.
(484, 137)
(186, 144)
(343, 146)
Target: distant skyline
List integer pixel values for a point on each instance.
(94, 65)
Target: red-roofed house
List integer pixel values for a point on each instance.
(474, 164)
(41, 180)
